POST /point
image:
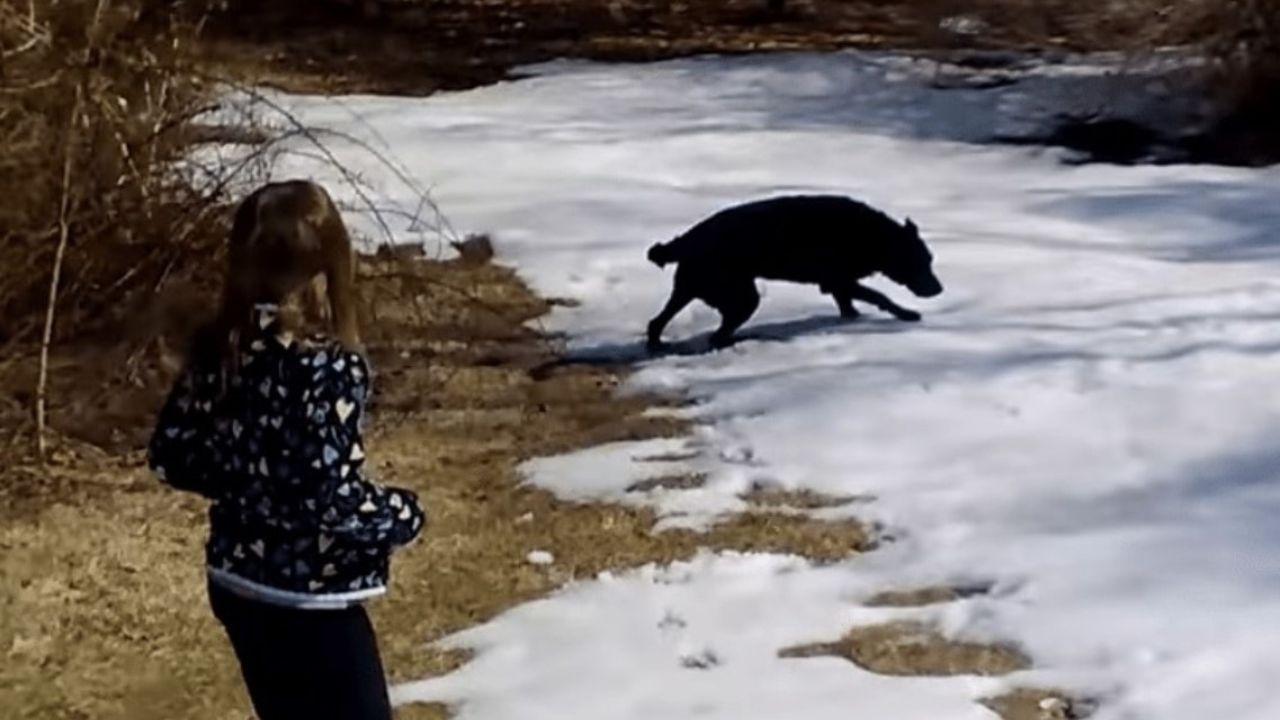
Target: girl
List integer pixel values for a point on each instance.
(267, 426)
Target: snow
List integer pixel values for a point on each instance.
(1085, 420)
(695, 639)
(540, 557)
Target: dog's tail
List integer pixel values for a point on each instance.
(661, 254)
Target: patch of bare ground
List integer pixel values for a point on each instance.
(915, 649)
(687, 481)
(801, 499)
(910, 648)
(1037, 704)
(920, 597)
(101, 585)
(421, 46)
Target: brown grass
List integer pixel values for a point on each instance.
(908, 648)
(920, 597)
(1039, 704)
(94, 97)
(102, 586)
(428, 44)
(668, 482)
(802, 499)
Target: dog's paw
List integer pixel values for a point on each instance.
(908, 315)
(720, 342)
(655, 346)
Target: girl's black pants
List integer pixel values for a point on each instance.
(305, 664)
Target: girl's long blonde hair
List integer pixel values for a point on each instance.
(284, 236)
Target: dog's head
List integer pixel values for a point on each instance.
(908, 262)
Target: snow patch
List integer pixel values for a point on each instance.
(1085, 420)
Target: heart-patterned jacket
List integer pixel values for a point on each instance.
(277, 448)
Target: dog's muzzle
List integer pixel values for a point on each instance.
(926, 287)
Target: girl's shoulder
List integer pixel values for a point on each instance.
(324, 359)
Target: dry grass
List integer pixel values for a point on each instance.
(914, 649)
(690, 481)
(101, 578)
(420, 46)
(802, 499)
(908, 648)
(920, 597)
(1039, 704)
(94, 96)
(97, 101)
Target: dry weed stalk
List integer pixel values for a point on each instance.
(64, 234)
(98, 84)
(92, 246)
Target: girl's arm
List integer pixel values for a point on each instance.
(178, 451)
(332, 404)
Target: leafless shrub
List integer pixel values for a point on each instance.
(113, 221)
(1244, 45)
(94, 98)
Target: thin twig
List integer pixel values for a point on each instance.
(64, 234)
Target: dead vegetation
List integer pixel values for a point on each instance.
(920, 597)
(1240, 42)
(95, 98)
(102, 585)
(909, 648)
(1034, 704)
(422, 46)
(690, 481)
(800, 499)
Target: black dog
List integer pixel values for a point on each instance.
(825, 240)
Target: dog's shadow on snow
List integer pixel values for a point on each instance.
(772, 332)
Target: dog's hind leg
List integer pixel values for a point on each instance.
(680, 298)
(737, 302)
(843, 298)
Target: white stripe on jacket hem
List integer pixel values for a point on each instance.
(251, 590)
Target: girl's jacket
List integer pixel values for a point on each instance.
(278, 450)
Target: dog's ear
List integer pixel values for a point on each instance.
(911, 227)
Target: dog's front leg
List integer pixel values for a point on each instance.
(861, 292)
(844, 300)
